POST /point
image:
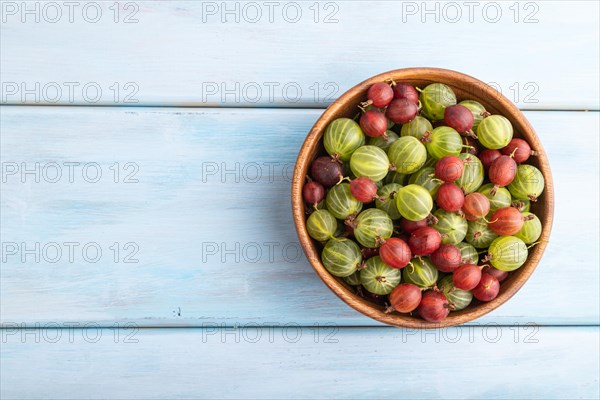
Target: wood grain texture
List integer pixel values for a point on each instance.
(171, 212)
(348, 363)
(464, 87)
(181, 53)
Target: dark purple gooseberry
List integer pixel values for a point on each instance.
(460, 119)
(368, 252)
(401, 111)
(496, 273)
(327, 171)
(487, 157)
(373, 123)
(380, 95)
(313, 192)
(408, 92)
(363, 189)
(470, 144)
(375, 298)
(410, 226)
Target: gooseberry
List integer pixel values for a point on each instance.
(528, 183)
(467, 276)
(414, 202)
(447, 257)
(434, 100)
(502, 172)
(461, 119)
(378, 278)
(458, 298)
(372, 227)
(449, 168)
(313, 192)
(449, 197)
(395, 253)
(404, 298)
(380, 95)
(404, 91)
(341, 257)
(476, 206)
(385, 200)
(341, 203)
(363, 189)
(342, 137)
(424, 241)
(520, 150)
(401, 111)
(327, 171)
(373, 123)
(487, 289)
(370, 161)
(442, 141)
(495, 132)
(416, 128)
(506, 221)
(421, 272)
(407, 154)
(321, 225)
(434, 306)
(452, 226)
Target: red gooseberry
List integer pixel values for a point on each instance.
(447, 257)
(487, 157)
(401, 111)
(405, 298)
(449, 168)
(373, 123)
(476, 206)
(434, 306)
(395, 253)
(460, 119)
(487, 289)
(313, 192)
(506, 221)
(501, 172)
(467, 276)
(520, 150)
(380, 95)
(424, 241)
(404, 91)
(450, 197)
(363, 189)
(496, 273)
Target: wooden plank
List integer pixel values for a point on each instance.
(206, 58)
(347, 363)
(214, 245)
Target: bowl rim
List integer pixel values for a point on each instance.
(359, 303)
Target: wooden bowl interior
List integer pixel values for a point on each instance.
(465, 87)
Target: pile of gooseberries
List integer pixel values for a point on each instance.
(423, 203)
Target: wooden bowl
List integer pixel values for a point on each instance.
(465, 87)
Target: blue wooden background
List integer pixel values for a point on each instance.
(148, 249)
